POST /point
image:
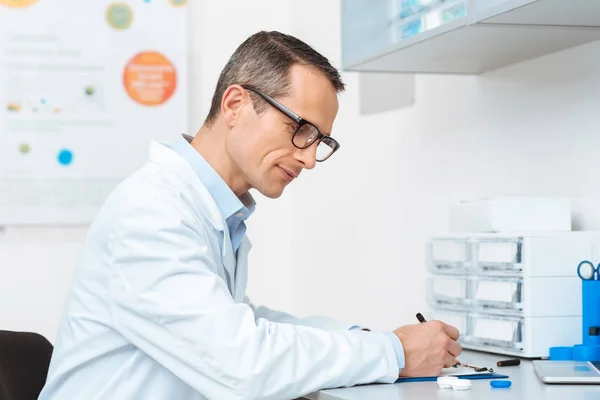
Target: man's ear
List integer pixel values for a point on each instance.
(231, 104)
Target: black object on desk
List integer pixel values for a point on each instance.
(509, 363)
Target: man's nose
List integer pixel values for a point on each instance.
(307, 156)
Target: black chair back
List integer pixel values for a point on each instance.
(24, 361)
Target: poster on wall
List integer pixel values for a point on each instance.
(85, 86)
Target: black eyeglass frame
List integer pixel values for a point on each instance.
(328, 140)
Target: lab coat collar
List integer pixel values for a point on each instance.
(162, 154)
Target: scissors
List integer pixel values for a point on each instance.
(587, 272)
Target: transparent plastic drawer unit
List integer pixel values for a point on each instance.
(515, 294)
(497, 255)
(474, 292)
(448, 291)
(485, 331)
(448, 255)
(501, 294)
(475, 255)
(513, 335)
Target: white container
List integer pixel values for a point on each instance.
(526, 296)
(461, 384)
(511, 214)
(541, 254)
(527, 337)
(445, 382)
(510, 293)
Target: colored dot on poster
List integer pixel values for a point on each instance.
(150, 78)
(65, 157)
(24, 148)
(43, 101)
(178, 3)
(17, 3)
(119, 15)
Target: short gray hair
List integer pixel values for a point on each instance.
(264, 61)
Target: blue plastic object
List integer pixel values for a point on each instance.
(590, 291)
(65, 157)
(582, 352)
(561, 353)
(590, 319)
(501, 384)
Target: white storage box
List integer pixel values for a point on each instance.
(541, 254)
(511, 214)
(523, 296)
(510, 293)
(528, 337)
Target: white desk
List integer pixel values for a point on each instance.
(525, 386)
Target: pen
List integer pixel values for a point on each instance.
(509, 363)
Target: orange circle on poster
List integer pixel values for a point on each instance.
(17, 3)
(150, 78)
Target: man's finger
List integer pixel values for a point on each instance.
(454, 348)
(451, 331)
(449, 361)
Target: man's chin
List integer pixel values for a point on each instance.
(271, 192)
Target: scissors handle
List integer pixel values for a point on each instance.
(589, 272)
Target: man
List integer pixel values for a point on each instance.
(158, 310)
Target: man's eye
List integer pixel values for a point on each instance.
(291, 128)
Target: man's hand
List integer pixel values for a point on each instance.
(428, 347)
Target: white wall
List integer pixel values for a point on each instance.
(530, 129)
(348, 238)
(36, 264)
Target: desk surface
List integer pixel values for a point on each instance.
(525, 386)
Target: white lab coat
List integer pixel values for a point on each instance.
(157, 309)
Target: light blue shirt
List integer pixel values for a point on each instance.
(235, 212)
(398, 349)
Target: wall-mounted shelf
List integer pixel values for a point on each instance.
(460, 36)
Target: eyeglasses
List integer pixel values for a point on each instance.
(307, 133)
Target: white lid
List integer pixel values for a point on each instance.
(461, 384)
(447, 379)
(445, 382)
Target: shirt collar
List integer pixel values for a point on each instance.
(227, 202)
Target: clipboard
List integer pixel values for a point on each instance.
(459, 376)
